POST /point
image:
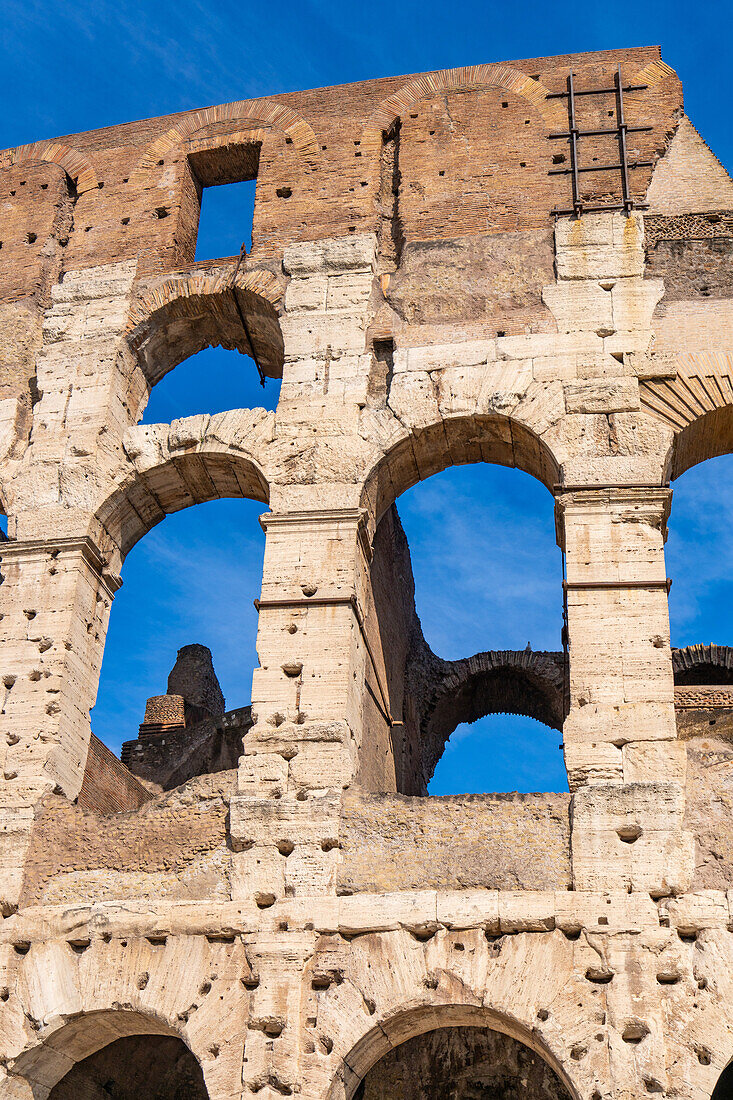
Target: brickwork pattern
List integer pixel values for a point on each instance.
(305, 910)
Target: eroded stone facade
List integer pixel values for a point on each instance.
(296, 919)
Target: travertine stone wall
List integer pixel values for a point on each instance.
(298, 918)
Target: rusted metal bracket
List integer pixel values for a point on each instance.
(243, 319)
(574, 133)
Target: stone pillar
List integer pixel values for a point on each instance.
(55, 600)
(307, 697)
(625, 765)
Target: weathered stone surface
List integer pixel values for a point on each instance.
(311, 922)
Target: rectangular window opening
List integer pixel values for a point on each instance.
(227, 176)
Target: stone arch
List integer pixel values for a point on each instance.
(495, 438)
(74, 163)
(703, 664)
(184, 314)
(500, 682)
(369, 1050)
(64, 1046)
(479, 994)
(696, 402)
(176, 466)
(249, 113)
(504, 76)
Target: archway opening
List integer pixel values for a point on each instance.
(462, 1063)
(698, 554)
(112, 1053)
(157, 1066)
(476, 657)
(502, 753)
(180, 649)
(211, 381)
(201, 317)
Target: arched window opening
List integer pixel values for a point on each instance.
(461, 1063)
(502, 753)
(159, 1066)
(189, 586)
(217, 311)
(3, 527)
(478, 657)
(214, 380)
(698, 553)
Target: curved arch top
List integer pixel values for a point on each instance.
(703, 664)
(174, 473)
(201, 310)
(503, 682)
(78, 167)
(244, 111)
(68, 1043)
(456, 441)
(412, 1022)
(459, 79)
(696, 402)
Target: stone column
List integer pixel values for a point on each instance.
(307, 696)
(55, 600)
(625, 765)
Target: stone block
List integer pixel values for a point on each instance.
(262, 775)
(526, 911)
(339, 254)
(469, 909)
(415, 910)
(307, 294)
(602, 396)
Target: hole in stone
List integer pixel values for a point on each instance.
(634, 1031)
(79, 946)
(668, 977)
(599, 975)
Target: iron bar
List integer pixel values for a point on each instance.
(599, 91)
(577, 204)
(572, 585)
(622, 139)
(243, 319)
(574, 133)
(602, 168)
(598, 133)
(557, 210)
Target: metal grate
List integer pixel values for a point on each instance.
(573, 134)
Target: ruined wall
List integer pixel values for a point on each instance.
(297, 920)
(107, 786)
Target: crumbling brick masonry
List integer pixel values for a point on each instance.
(275, 906)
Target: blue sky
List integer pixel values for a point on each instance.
(486, 565)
